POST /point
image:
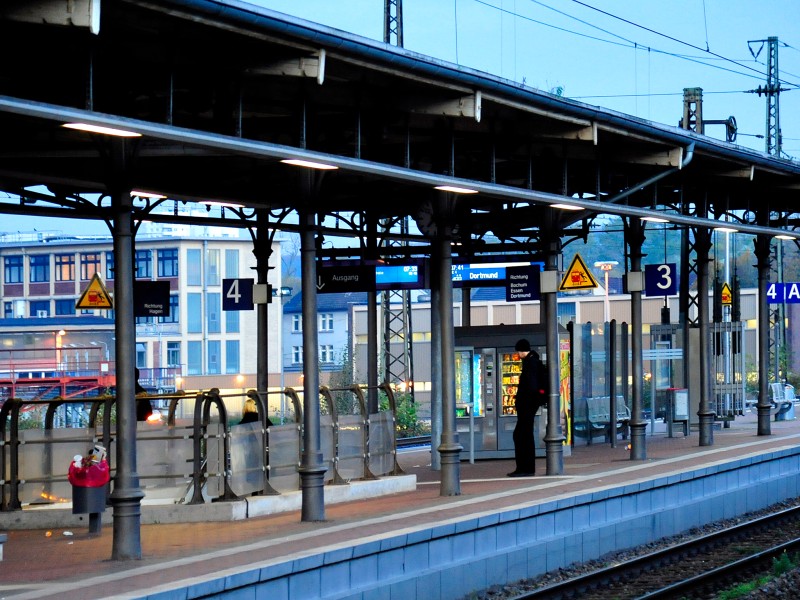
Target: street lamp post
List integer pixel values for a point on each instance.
(606, 266)
(58, 345)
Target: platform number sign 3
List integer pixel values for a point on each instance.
(237, 294)
(660, 280)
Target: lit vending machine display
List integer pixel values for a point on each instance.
(469, 383)
(511, 367)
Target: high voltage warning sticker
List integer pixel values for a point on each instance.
(95, 295)
(577, 277)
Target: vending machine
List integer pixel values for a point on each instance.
(487, 375)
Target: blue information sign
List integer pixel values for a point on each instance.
(237, 294)
(783, 293)
(661, 280)
(486, 274)
(397, 277)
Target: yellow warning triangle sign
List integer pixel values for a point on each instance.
(577, 277)
(95, 295)
(726, 295)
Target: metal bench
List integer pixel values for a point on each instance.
(782, 402)
(592, 418)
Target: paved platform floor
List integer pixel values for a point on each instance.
(71, 564)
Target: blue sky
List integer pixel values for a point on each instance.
(628, 63)
(635, 57)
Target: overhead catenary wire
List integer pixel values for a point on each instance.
(628, 43)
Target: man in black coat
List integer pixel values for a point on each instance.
(530, 396)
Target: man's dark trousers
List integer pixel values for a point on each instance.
(524, 449)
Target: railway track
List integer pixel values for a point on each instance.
(411, 442)
(694, 569)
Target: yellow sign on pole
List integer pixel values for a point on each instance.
(726, 295)
(577, 277)
(95, 295)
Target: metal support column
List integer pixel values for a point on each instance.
(705, 413)
(312, 470)
(762, 252)
(554, 436)
(638, 425)
(436, 361)
(262, 250)
(127, 495)
(372, 352)
(450, 449)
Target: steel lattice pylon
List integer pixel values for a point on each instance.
(398, 356)
(393, 22)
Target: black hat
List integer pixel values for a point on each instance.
(523, 346)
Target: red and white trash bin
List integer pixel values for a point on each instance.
(88, 476)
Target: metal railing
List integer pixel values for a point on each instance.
(194, 453)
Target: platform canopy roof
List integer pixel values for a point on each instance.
(222, 91)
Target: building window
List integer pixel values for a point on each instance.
(141, 355)
(297, 323)
(40, 308)
(213, 312)
(65, 267)
(232, 321)
(326, 322)
(232, 357)
(40, 268)
(90, 264)
(13, 269)
(173, 354)
(65, 307)
(231, 263)
(174, 310)
(194, 364)
(566, 312)
(143, 264)
(297, 355)
(168, 262)
(194, 312)
(214, 350)
(109, 265)
(145, 320)
(194, 267)
(8, 310)
(213, 267)
(326, 353)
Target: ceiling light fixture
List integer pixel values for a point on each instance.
(655, 219)
(455, 189)
(308, 164)
(100, 129)
(566, 206)
(726, 230)
(784, 236)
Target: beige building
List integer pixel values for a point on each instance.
(198, 345)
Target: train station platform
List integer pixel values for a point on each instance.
(417, 544)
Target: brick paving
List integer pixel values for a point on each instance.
(38, 563)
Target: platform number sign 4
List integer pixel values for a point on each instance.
(783, 293)
(237, 294)
(661, 280)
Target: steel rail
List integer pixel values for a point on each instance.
(579, 586)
